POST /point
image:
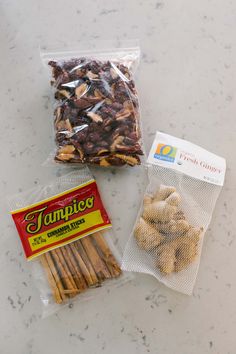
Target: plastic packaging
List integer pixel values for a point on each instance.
(97, 117)
(73, 253)
(184, 183)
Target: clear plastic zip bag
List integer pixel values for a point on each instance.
(167, 238)
(97, 116)
(70, 266)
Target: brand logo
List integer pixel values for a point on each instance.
(165, 152)
(39, 218)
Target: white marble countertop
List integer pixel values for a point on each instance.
(187, 87)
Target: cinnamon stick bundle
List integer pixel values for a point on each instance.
(83, 264)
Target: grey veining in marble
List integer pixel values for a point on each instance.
(187, 87)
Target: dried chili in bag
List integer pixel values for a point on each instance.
(96, 116)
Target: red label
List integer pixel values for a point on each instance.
(61, 219)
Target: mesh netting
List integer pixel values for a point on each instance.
(168, 235)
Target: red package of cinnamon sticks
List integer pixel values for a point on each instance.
(63, 227)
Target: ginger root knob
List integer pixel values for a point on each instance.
(147, 200)
(173, 199)
(164, 230)
(159, 211)
(177, 254)
(173, 227)
(164, 192)
(147, 236)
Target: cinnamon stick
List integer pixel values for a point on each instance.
(55, 274)
(65, 273)
(84, 263)
(87, 262)
(89, 279)
(55, 291)
(97, 263)
(106, 254)
(63, 261)
(78, 277)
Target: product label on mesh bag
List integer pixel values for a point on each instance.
(61, 219)
(190, 159)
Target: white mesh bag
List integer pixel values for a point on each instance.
(184, 184)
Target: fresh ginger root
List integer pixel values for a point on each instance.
(159, 211)
(176, 255)
(164, 192)
(163, 227)
(163, 206)
(147, 236)
(174, 227)
(147, 200)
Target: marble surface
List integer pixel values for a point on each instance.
(186, 83)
